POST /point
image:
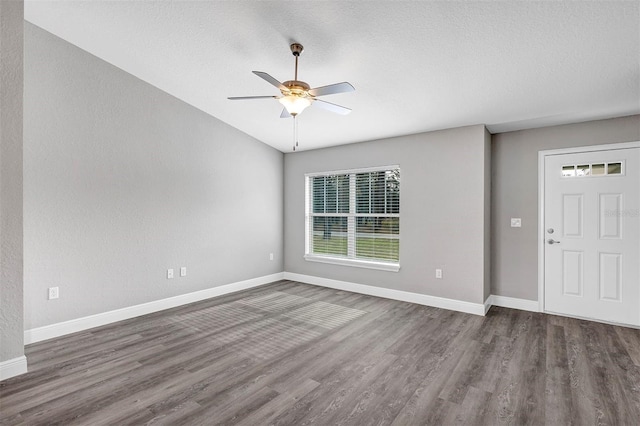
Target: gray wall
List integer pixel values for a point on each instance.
(442, 202)
(515, 194)
(122, 181)
(11, 248)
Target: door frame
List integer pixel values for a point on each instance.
(541, 196)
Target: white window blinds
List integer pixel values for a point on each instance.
(354, 215)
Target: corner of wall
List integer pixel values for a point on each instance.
(487, 213)
(13, 367)
(11, 194)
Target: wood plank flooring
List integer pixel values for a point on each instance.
(295, 354)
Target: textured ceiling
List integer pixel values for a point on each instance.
(416, 66)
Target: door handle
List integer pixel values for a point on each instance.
(552, 241)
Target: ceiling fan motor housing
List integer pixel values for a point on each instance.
(296, 49)
(296, 87)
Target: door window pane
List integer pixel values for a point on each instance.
(583, 170)
(614, 168)
(568, 171)
(597, 169)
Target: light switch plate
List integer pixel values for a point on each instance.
(516, 222)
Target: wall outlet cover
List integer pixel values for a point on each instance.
(169, 274)
(516, 222)
(183, 271)
(54, 293)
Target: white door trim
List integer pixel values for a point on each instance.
(541, 175)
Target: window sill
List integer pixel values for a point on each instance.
(381, 266)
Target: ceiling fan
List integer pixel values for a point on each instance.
(298, 95)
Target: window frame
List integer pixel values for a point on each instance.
(350, 259)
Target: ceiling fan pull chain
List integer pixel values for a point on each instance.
(295, 133)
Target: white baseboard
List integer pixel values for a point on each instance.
(404, 296)
(487, 304)
(13, 367)
(79, 324)
(514, 303)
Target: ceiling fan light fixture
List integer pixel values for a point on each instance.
(298, 95)
(295, 104)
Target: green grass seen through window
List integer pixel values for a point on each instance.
(366, 247)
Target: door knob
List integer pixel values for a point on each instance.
(552, 241)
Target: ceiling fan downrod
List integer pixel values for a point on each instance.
(296, 50)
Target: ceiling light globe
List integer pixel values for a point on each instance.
(294, 104)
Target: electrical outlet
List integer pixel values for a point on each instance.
(439, 273)
(169, 274)
(54, 293)
(516, 222)
(183, 271)
(270, 256)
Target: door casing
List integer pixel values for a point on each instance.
(541, 204)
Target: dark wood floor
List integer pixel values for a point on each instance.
(294, 354)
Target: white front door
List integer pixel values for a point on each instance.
(592, 235)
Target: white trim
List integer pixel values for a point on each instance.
(357, 263)
(307, 216)
(404, 296)
(79, 324)
(541, 189)
(13, 367)
(350, 171)
(514, 303)
(487, 304)
(619, 324)
(541, 178)
(591, 148)
(351, 214)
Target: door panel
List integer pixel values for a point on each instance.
(592, 235)
(572, 273)
(572, 215)
(610, 223)
(610, 277)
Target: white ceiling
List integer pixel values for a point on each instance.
(416, 66)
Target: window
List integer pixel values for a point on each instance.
(353, 217)
(596, 169)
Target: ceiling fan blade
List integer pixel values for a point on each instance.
(266, 77)
(239, 98)
(332, 89)
(285, 113)
(331, 107)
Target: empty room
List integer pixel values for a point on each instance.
(319, 212)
